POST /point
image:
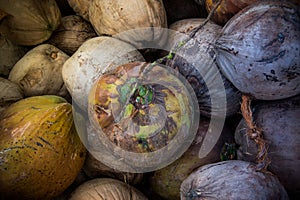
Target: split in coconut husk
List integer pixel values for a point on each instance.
(255, 133)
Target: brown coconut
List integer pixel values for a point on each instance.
(71, 33)
(29, 22)
(137, 21)
(106, 188)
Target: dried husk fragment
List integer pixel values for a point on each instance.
(39, 71)
(280, 125)
(193, 61)
(10, 53)
(29, 22)
(137, 22)
(71, 34)
(258, 50)
(106, 188)
(235, 180)
(166, 181)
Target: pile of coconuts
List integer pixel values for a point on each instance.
(67, 66)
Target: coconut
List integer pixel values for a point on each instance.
(71, 33)
(194, 60)
(235, 179)
(39, 71)
(29, 22)
(41, 153)
(226, 10)
(258, 50)
(137, 22)
(106, 188)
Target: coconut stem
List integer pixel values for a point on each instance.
(255, 133)
(183, 42)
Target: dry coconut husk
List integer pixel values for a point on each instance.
(71, 34)
(195, 61)
(39, 71)
(258, 50)
(270, 135)
(234, 180)
(106, 188)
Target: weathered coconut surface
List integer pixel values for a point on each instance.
(39, 71)
(258, 50)
(138, 22)
(106, 188)
(71, 33)
(29, 22)
(235, 179)
(280, 122)
(194, 60)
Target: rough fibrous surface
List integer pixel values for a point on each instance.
(29, 22)
(137, 22)
(106, 188)
(280, 123)
(194, 60)
(39, 71)
(235, 180)
(258, 50)
(71, 33)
